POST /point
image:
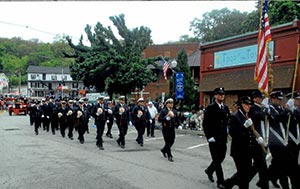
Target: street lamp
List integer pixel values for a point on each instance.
(172, 66)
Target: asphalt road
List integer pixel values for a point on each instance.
(50, 161)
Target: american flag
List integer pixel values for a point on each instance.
(264, 36)
(165, 68)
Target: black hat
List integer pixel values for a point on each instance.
(219, 90)
(295, 95)
(245, 100)
(277, 94)
(101, 98)
(257, 93)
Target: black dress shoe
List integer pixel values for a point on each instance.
(71, 138)
(118, 142)
(164, 153)
(209, 175)
(81, 141)
(101, 148)
(221, 186)
(170, 159)
(122, 146)
(274, 182)
(142, 144)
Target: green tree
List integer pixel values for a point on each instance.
(112, 64)
(218, 24)
(281, 12)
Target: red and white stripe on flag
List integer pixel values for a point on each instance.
(264, 36)
(165, 68)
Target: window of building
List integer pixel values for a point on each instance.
(75, 85)
(44, 76)
(33, 76)
(64, 78)
(53, 77)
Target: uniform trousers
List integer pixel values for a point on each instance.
(218, 153)
(122, 133)
(140, 126)
(100, 129)
(169, 137)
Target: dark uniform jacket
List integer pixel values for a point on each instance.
(101, 118)
(121, 119)
(140, 120)
(215, 122)
(172, 123)
(242, 138)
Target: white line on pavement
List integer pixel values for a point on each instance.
(196, 146)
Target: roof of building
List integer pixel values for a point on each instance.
(52, 70)
(194, 59)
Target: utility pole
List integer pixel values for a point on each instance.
(19, 84)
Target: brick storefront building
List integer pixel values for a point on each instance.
(231, 62)
(154, 90)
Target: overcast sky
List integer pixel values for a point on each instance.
(168, 20)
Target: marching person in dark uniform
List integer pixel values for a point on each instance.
(82, 120)
(245, 145)
(37, 114)
(89, 108)
(109, 118)
(71, 116)
(62, 116)
(294, 140)
(121, 113)
(170, 120)
(54, 118)
(258, 116)
(281, 160)
(30, 109)
(99, 114)
(215, 128)
(140, 116)
(46, 114)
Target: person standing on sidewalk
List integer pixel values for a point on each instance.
(215, 129)
(153, 113)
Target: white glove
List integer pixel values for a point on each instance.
(59, 115)
(212, 139)
(43, 116)
(168, 118)
(99, 111)
(48, 117)
(260, 140)
(107, 121)
(248, 123)
(70, 112)
(171, 113)
(130, 123)
(150, 120)
(109, 111)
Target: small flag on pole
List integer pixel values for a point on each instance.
(264, 36)
(165, 68)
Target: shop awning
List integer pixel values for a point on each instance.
(243, 79)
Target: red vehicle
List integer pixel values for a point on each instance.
(17, 106)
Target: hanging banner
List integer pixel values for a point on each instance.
(179, 86)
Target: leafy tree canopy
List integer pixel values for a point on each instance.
(113, 64)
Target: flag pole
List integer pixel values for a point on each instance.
(293, 87)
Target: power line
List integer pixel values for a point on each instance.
(32, 28)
